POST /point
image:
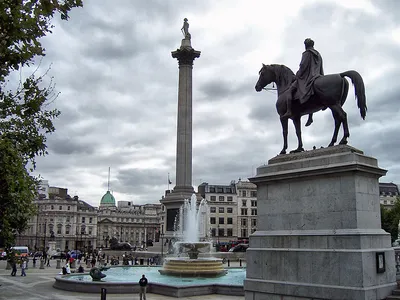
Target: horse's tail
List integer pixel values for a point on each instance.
(359, 89)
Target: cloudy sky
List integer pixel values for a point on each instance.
(112, 64)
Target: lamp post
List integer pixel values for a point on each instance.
(162, 245)
(44, 240)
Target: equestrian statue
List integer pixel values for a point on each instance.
(310, 91)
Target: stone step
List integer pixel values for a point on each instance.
(393, 297)
(396, 292)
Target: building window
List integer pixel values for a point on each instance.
(213, 231)
(229, 198)
(253, 194)
(90, 220)
(221, 198)
(253, 222)
(244, 233)
(229, 232)
(253, 230)
(212, 189)
(67, 229)
(83, 219)
(83, 229)
(244, 194)
(229, 190)
(59, 228)
(69, 207)
(212, 220)
(221, 210)
(229, 210)
(67, 220)
(244, 211)
(220, 190)
(213, 198)
(244, 222)
(254, 211)
(221, 231)
(90, 230)
(229, 221)
(244, 203)
(254, 203)
(60, 207)
(212, 209)
(52, 207)
(221, 220)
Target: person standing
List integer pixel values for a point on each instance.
(23, 267)
(14, 268)
(143, 285)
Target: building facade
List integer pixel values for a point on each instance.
(388, 193)
(222, 203)
(127, 222)
(247, 208)
(68, 221)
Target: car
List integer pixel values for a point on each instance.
(239, 248)
(58, 255)
(3, 255)
(122, 246)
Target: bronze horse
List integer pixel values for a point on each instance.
(330, 91)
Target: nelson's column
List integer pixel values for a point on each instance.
(183, 188)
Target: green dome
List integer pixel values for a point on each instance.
(107, 200)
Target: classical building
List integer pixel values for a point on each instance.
(222, 202)
(127, 222)
(247, 208)
(68, 221)
(388, 193)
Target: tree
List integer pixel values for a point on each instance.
(24, 119)
(390, 219)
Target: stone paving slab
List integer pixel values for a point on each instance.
(38, 285)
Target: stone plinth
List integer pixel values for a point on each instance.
(318, 229)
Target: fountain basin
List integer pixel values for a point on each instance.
(124, 280)
(201, 267)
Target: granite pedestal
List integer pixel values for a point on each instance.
(319, 231)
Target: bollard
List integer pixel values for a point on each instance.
(8, 266)
(229, 263)
(41, 264)
(103, 294)
(58, 264)
(148, 261)
(240, 262)
(141, 261)
(108, 259)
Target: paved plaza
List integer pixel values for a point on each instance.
(38, 285)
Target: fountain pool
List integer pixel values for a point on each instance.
(125, 280)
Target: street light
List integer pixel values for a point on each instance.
(162, 245)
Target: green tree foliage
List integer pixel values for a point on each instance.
(390, 219)
(24, 118)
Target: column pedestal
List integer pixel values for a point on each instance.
(319, 231)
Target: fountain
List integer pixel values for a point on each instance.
(191, 223)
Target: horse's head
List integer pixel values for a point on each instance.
(266, 77)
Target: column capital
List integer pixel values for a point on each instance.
(185, 55)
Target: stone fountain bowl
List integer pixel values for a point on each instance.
(192, 265)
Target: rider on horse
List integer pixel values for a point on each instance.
(310, 69)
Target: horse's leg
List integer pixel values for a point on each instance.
(346, 132)
(297, 126)
(310, 120)
(338, 121)
(284, 123)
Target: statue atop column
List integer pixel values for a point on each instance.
(187, 36)
(185, 29)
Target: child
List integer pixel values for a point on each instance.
(23, 267)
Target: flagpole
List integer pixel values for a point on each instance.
(168, 181)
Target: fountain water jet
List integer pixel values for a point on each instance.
(191, 224)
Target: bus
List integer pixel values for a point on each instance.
(21, 251)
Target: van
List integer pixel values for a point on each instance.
(21, 251)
